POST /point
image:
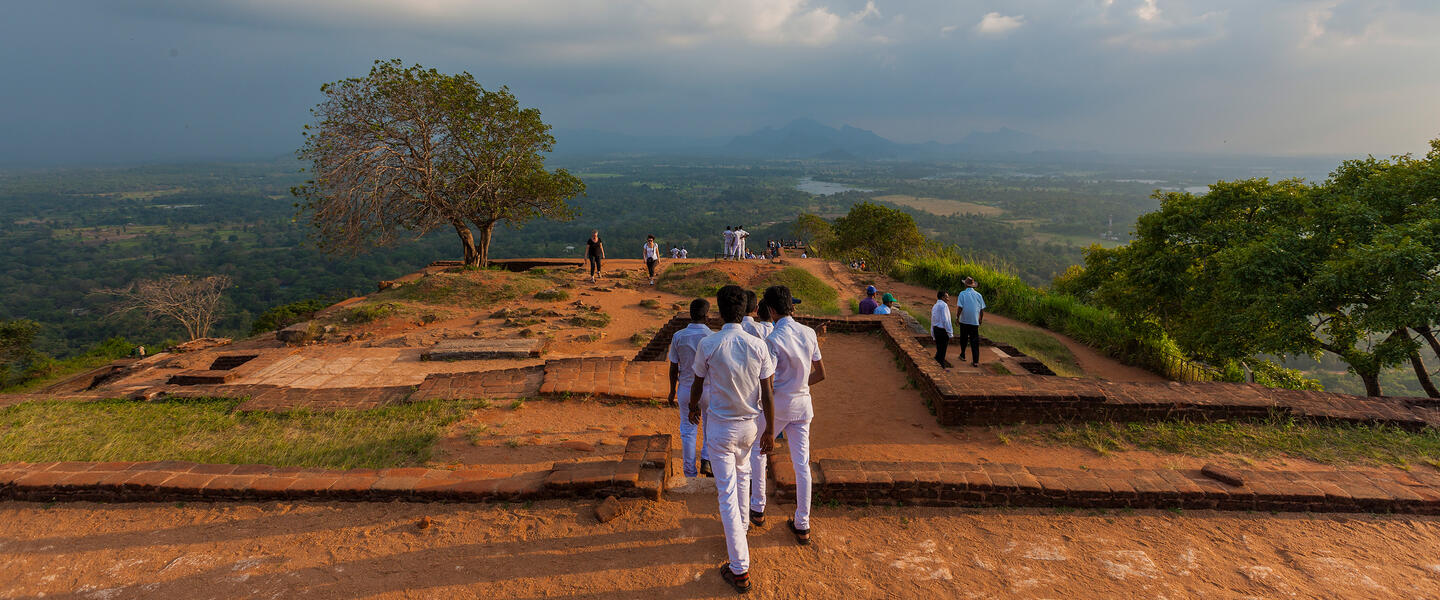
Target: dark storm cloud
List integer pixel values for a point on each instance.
(152, 79)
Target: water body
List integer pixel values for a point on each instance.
(825, 188)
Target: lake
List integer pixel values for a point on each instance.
(825, 188)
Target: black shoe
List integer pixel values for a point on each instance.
(962, 358)
(740, 582)
(948, 365)
(757, 518)
(705, 468)
(975, 364)
(802, 536)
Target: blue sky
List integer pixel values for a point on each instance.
(134, 80)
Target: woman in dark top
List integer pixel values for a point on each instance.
(595, 251)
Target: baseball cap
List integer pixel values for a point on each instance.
(887, 298)
(870, 289)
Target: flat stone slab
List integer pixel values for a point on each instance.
(468, 349)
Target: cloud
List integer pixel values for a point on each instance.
(948, 29)
(997, 24)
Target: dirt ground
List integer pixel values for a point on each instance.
(671, 549)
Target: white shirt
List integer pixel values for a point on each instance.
(652, 251)
(794, 349)
(733, 363)
(940, 317)
(684, 253)
(759, 329)
(729, 238)
(674, 253)
(682, 352)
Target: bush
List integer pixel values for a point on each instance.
(552, 294)
(367, 313)
(286, 315)
(817, 297)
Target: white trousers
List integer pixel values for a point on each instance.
(797, 437)
(689, 432)
(729, 444)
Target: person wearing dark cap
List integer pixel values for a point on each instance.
(867, 306)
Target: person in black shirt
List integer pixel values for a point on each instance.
(595, 252)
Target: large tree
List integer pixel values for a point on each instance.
(879, 234)
(1350, 267)
(195, 302)
(412, 149)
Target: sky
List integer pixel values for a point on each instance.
(153, 80)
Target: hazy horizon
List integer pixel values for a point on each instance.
(94, 82)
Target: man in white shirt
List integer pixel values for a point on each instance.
(729, 242)
(674, 252)
(684, 253)
(682, 379)
(740, 235)
(735, 374)
(970, 306)
(796, 352)
(941, 328)
(750, 324)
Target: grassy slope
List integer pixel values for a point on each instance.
(817, 297)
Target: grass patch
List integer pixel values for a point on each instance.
(212, 431)
(369, 313)
(1325, 443)
(819, 298)
(641, 338)
(1038, 345)
(593, 319)
(474, 289)
(650, 303)
(682, 280)
(552, 294)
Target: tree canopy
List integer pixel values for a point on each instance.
(1348, 266)
(412, 149)
(879, 234)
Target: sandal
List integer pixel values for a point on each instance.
(757, 518)
(802, 536)
(740, 582)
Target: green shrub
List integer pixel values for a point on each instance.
(368, 313)
(552, 294)
(817, 297)
(679, 280)
(286, 315)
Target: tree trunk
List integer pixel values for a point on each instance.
(467, 241)
(1421, 373)
(1372, 383)
(1429, 336)
(487, 230)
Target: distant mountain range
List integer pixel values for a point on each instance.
(801, 138)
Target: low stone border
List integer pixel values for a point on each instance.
(640, 472)
(995, 484)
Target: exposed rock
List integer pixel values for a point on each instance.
(1223, 475)
(387, 285)
(609, 509)
(425, 522)
(578, 445)
(200, 344)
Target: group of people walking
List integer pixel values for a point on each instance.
(746, 386)
(650, 251)
(970, 307)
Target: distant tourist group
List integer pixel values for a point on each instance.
(746, 386)
(970, 311)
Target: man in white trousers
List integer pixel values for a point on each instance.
(734, 372)
(682, 378)
(729, 236)
(740, 235)
(796, 352)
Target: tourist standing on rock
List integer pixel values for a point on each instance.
(884, 308)
(729, 242)
(682, 380)
(867, 306)
(740, 235)
(734, 372)
(971, 315)
(674, 252)
(595, 252)
(684, 253)
(652, 256)
(796, 352)
(940, 327)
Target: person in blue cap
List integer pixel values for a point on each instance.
(867, 306)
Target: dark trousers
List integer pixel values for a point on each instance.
(970, 334)
(594, 265)
(650, 266)
(942, 343)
